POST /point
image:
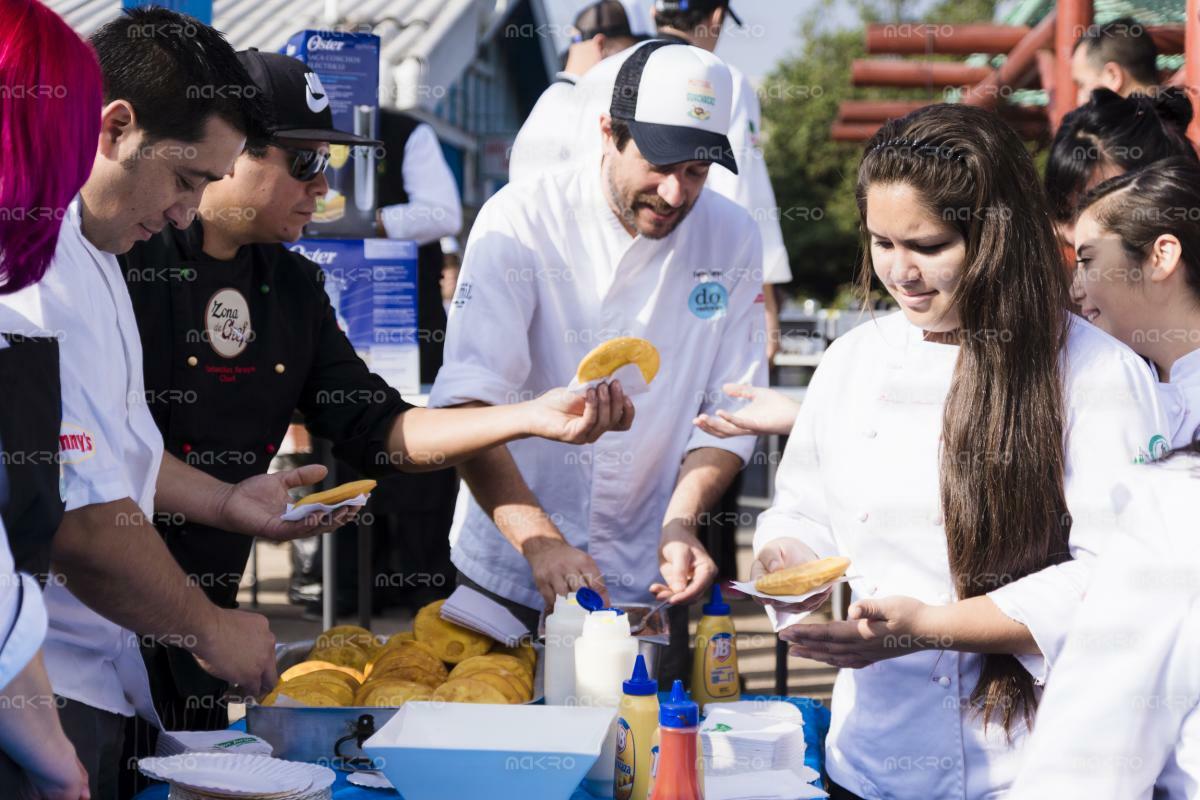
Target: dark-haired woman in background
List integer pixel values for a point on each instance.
(1138, 245)
(1121, 718)
(961, 453)
(1108, 136)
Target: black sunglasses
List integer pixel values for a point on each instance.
(306, 164)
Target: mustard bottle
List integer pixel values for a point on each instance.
(715, 676)
(637, 722)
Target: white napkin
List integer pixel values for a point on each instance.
(630, 376)
(781, 620)
(172, 743)
(478, 612)
(296, 513)
(769, 785)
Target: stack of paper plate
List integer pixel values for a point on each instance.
(239, 776)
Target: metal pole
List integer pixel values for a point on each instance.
(324, 453)
(365, 579)
(1191, 63)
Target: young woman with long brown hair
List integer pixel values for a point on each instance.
(961, 453)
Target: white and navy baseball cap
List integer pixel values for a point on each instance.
(677, 100)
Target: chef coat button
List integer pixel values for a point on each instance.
(192, 361)
(280, 368)
(187, 448)
(870, 433)
(863, 517)
(944, 682)
(270, 448)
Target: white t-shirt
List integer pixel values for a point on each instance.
(548, 274)
(109, 445)
(860, 478)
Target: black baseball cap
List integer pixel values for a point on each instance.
(697, 5)
(299, 101)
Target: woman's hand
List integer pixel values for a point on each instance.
(767, 412)
(779, 554)
(876, 630)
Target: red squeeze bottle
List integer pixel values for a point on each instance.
(676, 776)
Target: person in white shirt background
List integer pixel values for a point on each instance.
(1120, 719)
(1137, 244)
(601, 29)
(113, 578)
(627, 245)
(962, 453)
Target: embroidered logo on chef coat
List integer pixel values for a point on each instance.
(709, 300)
(75, 444)
(227, 323)
(1158, 448)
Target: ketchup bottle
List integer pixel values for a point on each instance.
(676, 776)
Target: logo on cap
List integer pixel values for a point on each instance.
(700, 94)
(314, 93)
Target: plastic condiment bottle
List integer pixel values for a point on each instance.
(714, 657)
(676, 773)
(604, 657)
(637, 722)
(564, 625)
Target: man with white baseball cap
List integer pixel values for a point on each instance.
(626, 244)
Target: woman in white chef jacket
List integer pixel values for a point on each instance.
(1138, 252)
(961, 453)
(1121, 716)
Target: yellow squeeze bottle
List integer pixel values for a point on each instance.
(637, 722)
(714, 660)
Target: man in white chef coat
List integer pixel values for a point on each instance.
(626, 244)
(602, 29)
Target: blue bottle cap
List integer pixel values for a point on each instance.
(641, 684)
(678, 711)
(716, 606)
(589, 599)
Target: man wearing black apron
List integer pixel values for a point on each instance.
(237, 333)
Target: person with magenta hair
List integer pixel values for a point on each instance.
(47, 133)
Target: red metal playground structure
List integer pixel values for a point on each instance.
(1009, 62)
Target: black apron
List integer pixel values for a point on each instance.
(30, 421)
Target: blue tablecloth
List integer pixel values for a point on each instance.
(816, 725)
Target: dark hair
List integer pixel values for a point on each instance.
(1003, 428)
(621, 133)
(686, 21)
(177, 72)
(1142, 205)
(1110, 130)
(1126, 42)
